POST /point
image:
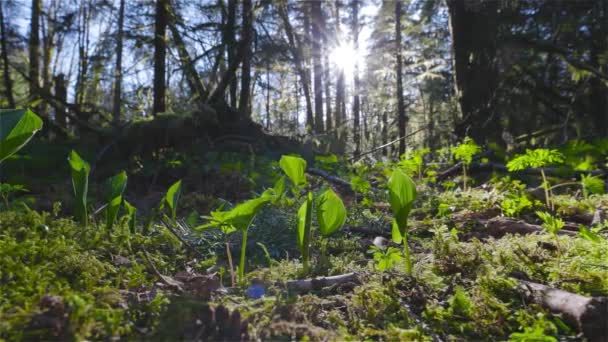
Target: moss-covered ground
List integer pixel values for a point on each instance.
(60, 280)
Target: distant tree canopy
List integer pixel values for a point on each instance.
(348, 74)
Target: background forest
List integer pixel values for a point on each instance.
(346, 170)
(350, 75)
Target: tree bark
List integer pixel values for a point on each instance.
(160, 50)
(473, 31)
(230, 43)
(247, 38)
(599, 89)
(399, 71)
(118, 68)
(62, 96)
(327, 84)
(356, 100)
(340, 114)
(315, 13)
(83, 53)
(34, 49)
(8, 82)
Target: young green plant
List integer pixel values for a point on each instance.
(115, 188)
(552, 224)
(401, 196)
(331, 213)
(172, 197)
(465, 152)
(80, 184)
(238, 218)
(538, 158)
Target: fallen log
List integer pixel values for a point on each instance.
(498, 227)
(588, 314)
(316, 284)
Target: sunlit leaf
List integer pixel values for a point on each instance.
(331, 213)
(116, 187)
(80, 184)
(304, 221)
(172, 197)
(294, 169)
(17, 127)
(401, 196)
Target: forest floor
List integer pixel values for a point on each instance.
(477, 274)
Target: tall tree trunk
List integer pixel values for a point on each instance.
(599, 89)
(327, 83)
(34, 42)
(315, 14)
(83, 53)
(296, 50)
(340, 114)
(62, 96)
(384, 132)
(268, 96)
(356, 101)
(473, 31)
(230, 43)
(160, 50)
(247, 39)
(399, 71)
(118, 67)
(48, 47)
(8, 82)
(305, 48)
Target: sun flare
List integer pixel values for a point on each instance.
(344, 57)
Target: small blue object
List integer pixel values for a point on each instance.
(256, 291)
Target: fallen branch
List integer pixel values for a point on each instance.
(182, 240)
(588, 314)
(500, 226)
(316, 284)
(387, 144)
(330, 178)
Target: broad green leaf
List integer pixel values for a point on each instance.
(331, 213)
(294, 169)
(237, 218)
(396, 233)
(279, 187)
(304, 222)
(80, 183)
(401, 196)
(172, 197)
(131, 212)
(116, 187)
(17, 127)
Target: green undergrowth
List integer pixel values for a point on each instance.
(94, 273)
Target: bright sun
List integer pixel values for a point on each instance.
(344, 57)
